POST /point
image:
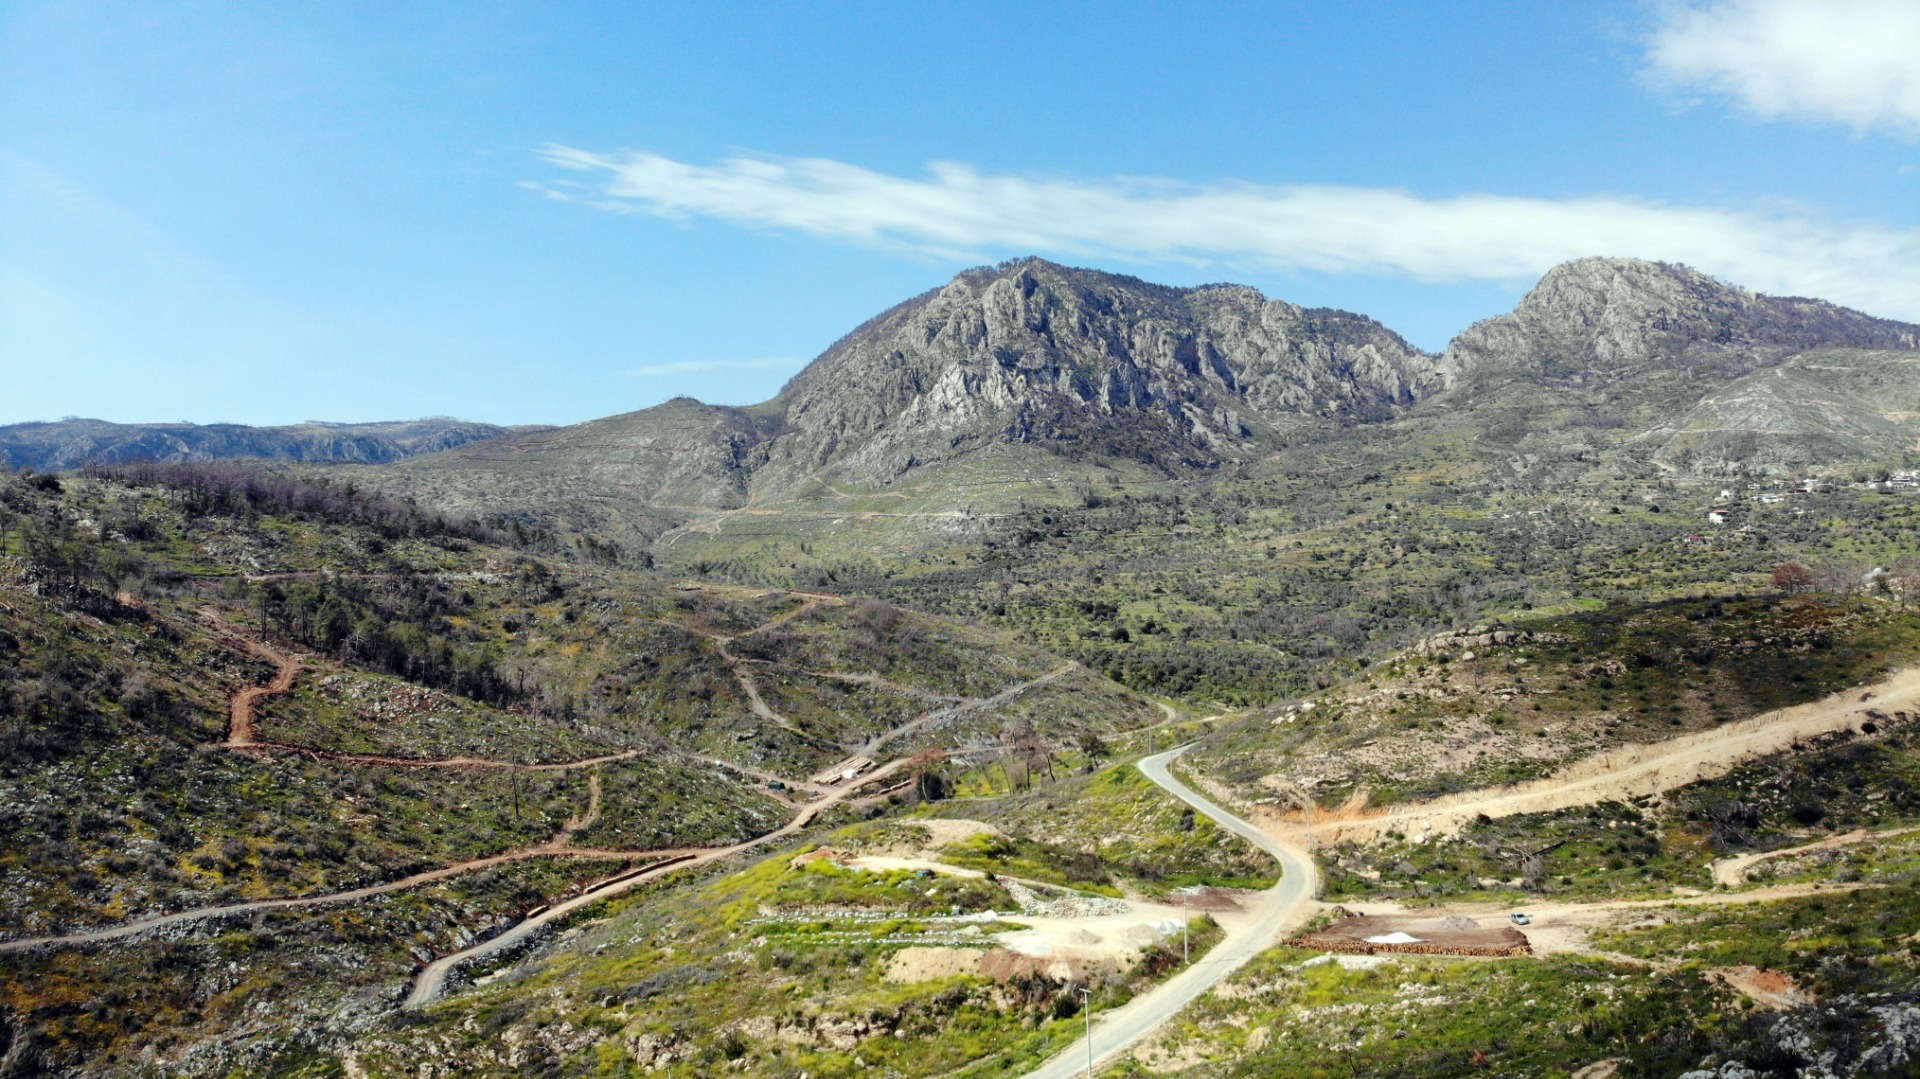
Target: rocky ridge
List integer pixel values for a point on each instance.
(1037, 373)
(1028, 357)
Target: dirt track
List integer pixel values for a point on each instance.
(919, 722)
(1732, 872)
(452, 763)
(143, 926)
(1559, 926)
(432, 978)
(243, 719)
(1618, 774)
(243, 707)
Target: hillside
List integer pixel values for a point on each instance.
(1568, 452)
(1605, 360)
(1826, 406)
(1031, 383)
(223, 686)
(1641, 325)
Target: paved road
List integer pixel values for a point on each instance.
(1277, 909)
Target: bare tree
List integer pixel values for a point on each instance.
(1836, 576)
(1903, 580)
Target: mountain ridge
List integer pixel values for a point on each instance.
(74, 442)
(1056, 369)
(1030, 379)
(1609, 316)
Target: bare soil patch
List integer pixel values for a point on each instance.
(932, 964)
(1768, 988)
(1392, 934)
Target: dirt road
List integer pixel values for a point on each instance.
(432, 979)
(1269, 916)
(1625, 772)
(144, 926)
(450, 763)
(243, 708)
(926, 719)
(243, 715)
(1561, 926)
(1732, 872)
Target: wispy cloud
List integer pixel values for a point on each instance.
(956, 209)
(1855, 62)
(689, 367)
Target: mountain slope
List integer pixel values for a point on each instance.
(636, 472)
(1817, 408)
(1607, 360)
(1033, 384)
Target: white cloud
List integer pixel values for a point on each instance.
(688, 367)
(1856, 62)
(957, 210)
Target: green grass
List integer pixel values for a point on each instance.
(1112, 829)
(1427, 1018)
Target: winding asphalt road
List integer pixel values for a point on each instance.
(1277, 909)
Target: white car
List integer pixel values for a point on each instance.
(1521, 919)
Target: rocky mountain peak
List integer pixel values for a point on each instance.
(1604, 319)
(1031, 351)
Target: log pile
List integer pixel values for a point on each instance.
(1362, 947)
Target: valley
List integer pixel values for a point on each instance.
(1055, 641)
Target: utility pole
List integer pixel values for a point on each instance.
(1087, 992)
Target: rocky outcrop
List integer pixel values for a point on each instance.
(1025, 354)
(1004, 365)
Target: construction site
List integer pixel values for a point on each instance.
(1353, 933)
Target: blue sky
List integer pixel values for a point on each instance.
(546, 213)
